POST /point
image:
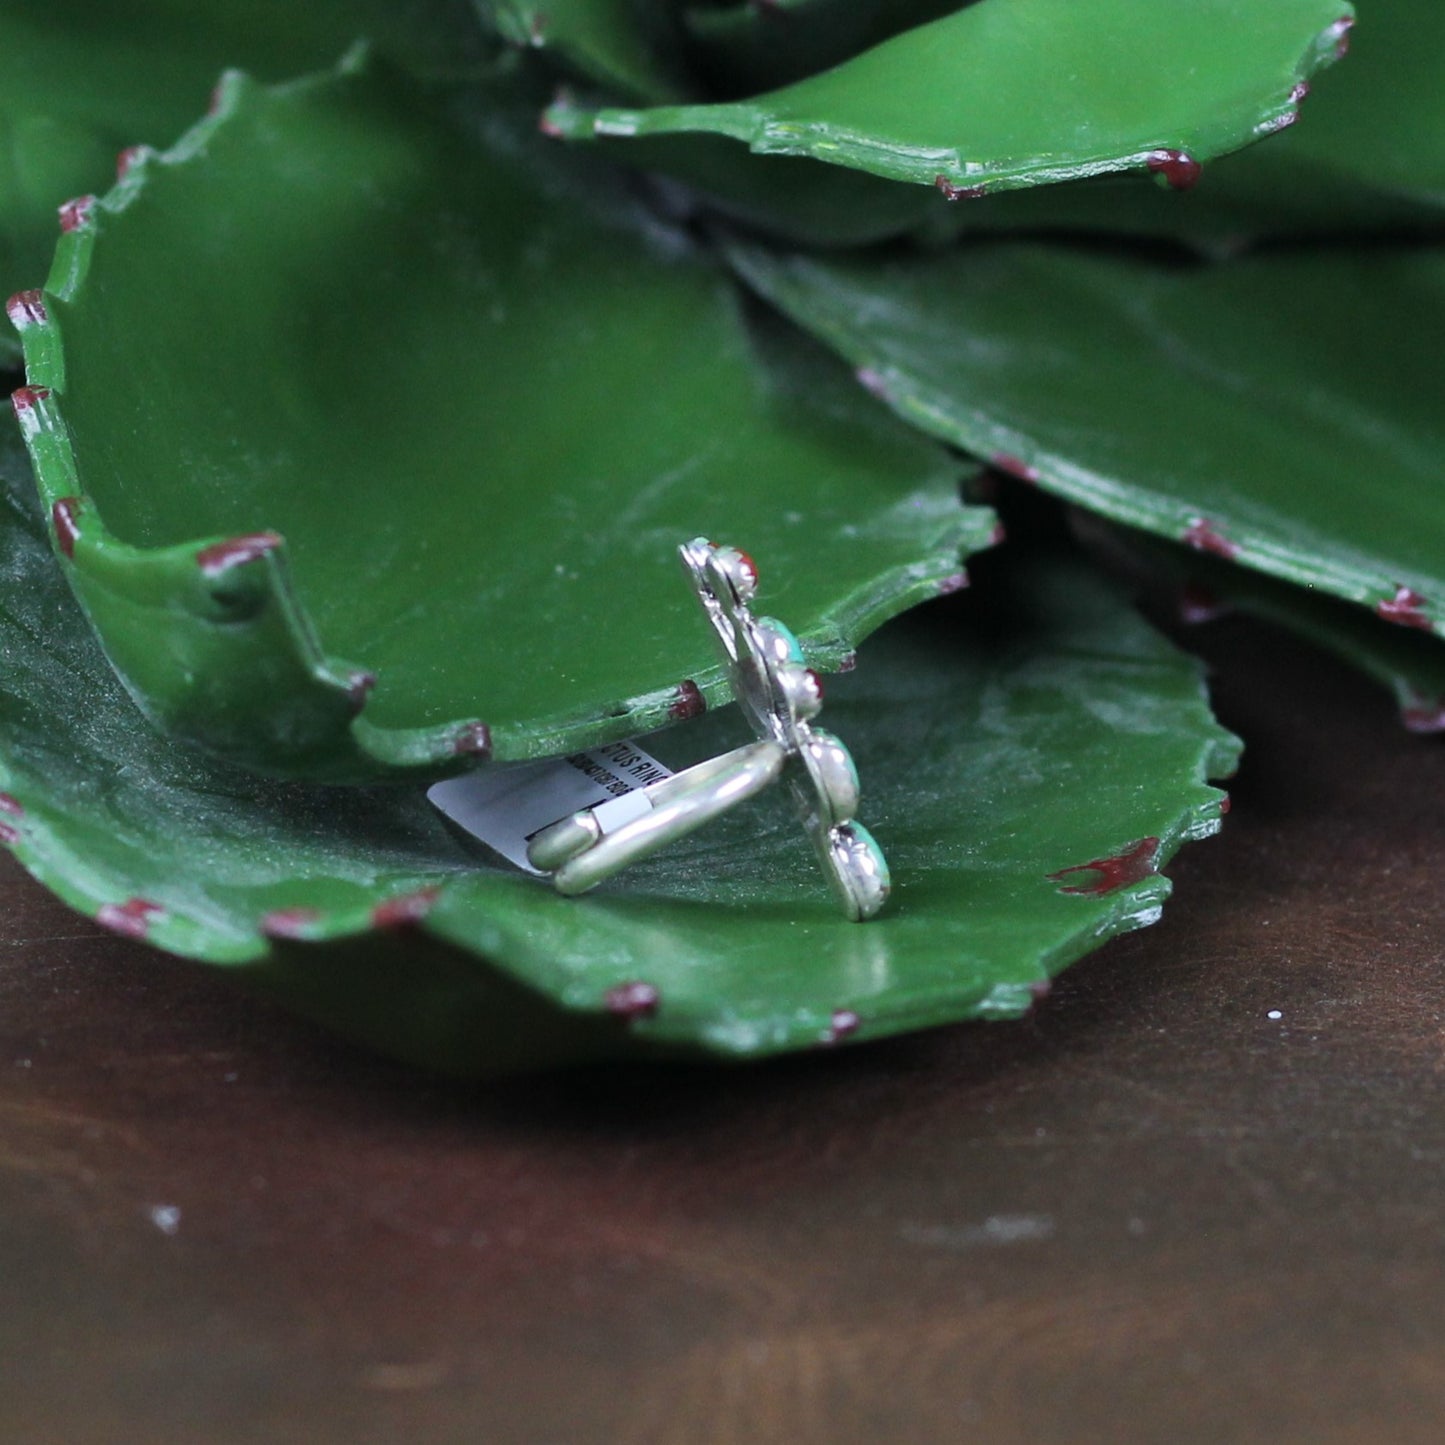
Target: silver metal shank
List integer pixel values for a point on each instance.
(583, 856)
(779, 695)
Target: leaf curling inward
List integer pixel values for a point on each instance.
(1072, 91)
(584, 390)
(1003, 739)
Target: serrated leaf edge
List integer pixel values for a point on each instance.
(165, 579)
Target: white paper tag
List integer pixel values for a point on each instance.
(506, 805)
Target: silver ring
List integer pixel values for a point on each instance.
(780, 695)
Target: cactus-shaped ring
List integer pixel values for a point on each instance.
(780, 696)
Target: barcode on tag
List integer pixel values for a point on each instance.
(505, 805)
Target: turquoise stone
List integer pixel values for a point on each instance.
(782, 643)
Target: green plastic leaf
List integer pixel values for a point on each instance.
(627, 45)
(1408, 663)
(1367, 156)
(1282, 410)
(334, 394)
(81, 80)
(1010, 93)
(1029, 760)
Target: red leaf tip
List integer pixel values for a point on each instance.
(1136, 862)
(1178, 168)
(634, 1000)
(1204, 536)
(75, 214)
(220, 557)
(1405, 608)
(404, 910)
(27, 308)
(473, 740)
(689, 702)
(131, 919)
(65, 523)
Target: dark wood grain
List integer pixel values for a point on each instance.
(1151, 1212)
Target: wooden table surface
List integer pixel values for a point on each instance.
(1154, 1211)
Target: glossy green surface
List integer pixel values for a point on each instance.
(1002, 737)
(1408, 663)
(1284, 409)
(81, 80)
(1012, 93)
(481, 404)
(1367, 155)
(627, 45)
